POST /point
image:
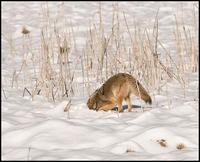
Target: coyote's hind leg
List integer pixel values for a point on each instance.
(128, 100)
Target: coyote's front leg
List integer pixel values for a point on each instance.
(119, 103)
(107, 107)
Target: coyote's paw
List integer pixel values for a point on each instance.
(121, 110)
(129, 110)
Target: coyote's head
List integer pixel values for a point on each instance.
(97, 100)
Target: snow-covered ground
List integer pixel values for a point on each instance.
(41, 130)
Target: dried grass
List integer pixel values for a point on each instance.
(123, 48)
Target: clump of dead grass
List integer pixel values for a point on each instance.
(162, 142)
(180, 146)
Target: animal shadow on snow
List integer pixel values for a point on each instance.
(126, 107)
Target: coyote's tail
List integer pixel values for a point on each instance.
(139, 91)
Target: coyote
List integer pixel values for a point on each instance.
(114, 90)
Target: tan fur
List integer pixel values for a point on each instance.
(115, 90)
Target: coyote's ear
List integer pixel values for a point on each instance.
(102, 97)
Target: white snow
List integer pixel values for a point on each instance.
(41, 130)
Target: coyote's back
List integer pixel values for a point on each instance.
(115, 90)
